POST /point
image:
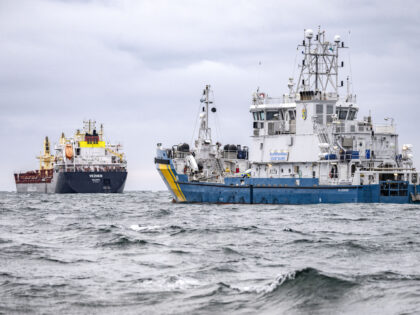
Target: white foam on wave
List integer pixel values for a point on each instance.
(269, 287)
(170, 284)
(138, 228)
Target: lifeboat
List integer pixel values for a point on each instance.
(69, 151)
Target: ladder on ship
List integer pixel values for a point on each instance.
(219, 166)
(323, 137)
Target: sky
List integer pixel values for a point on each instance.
(139, 67)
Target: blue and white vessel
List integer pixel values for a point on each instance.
(307, 147)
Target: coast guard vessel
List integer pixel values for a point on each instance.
(307, 147)
(84, 163)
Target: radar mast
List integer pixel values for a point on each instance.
(204, 134)
(319, 69)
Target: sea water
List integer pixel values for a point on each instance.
(139, 253)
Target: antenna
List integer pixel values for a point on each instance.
(205, 132)
(319, 69)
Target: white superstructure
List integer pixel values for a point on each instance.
(308, 146)
(313, 131)
(88, 150)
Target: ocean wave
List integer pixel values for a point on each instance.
(223, 270)
(149, 228)
(61, 261)
(350, 219)
(389, 276)
(306, 279)
(162, 213)
(7, 275)
(226, 229)
(306, 290)
(178, 230)
(179, 252)
(354, 245)
(287, 229)
(171, 283)
(24, 249)
(230, 251)
(304, 240)
(122, 241)
(4, 241)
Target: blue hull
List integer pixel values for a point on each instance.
(250, 194)
(279, 190)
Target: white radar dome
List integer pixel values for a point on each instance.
(337, 38)
(309, 33)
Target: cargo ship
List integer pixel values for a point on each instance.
(84, 163)
(306, 147)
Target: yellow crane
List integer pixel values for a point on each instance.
(46, 160)
(120, 155)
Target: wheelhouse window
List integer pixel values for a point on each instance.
(258, 115)
(352, 114)
(273, 115)
(342, 114)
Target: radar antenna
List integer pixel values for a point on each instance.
(319, 69)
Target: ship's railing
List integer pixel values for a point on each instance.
(181, 154)
(273, 100)
(268, 100)
(327, 180)
(34, 176)
(36, 173)
(93, 168)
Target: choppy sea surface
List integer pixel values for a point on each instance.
(139, 253)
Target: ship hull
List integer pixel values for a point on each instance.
(90, 182)
(250, 194)
(78, 182)
(35, 188)
(281, 190)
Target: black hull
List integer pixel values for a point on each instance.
(90, 182)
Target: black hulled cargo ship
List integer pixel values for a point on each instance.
(82, 164)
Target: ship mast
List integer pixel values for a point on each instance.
(319, 69)
(205, 132)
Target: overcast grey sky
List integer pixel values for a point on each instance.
(139, 67)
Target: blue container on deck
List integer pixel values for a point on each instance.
(331, 156)
(368, 154)
(349, 155)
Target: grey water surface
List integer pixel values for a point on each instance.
(139, 253)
